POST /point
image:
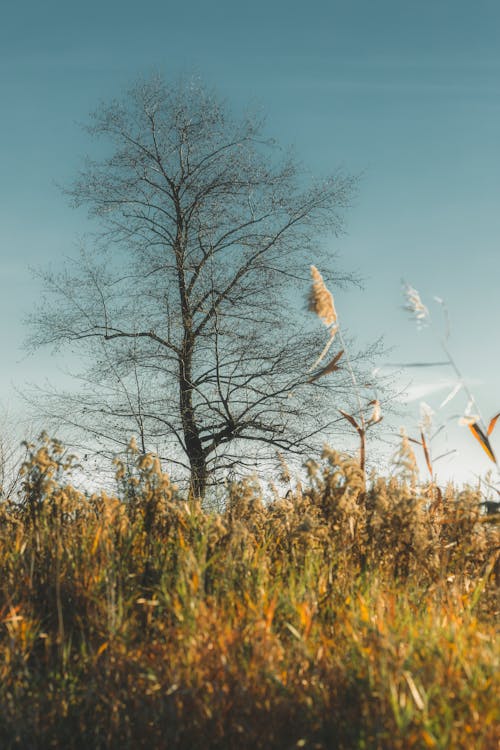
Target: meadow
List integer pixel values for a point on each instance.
(347, 612)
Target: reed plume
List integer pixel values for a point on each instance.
(321, 303)
(321, 300)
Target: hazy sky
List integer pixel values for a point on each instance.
(406, 92)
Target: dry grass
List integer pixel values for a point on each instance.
(334, 618)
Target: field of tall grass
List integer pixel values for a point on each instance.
(342, 615)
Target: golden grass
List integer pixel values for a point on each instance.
(334, 618)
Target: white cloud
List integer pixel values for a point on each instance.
(419, 391)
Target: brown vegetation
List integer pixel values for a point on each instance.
(339, 617)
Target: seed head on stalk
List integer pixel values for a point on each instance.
(415, 306)
(321, 299)
(321, 303)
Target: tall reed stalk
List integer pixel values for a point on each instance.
(321, 303)
(472, 416)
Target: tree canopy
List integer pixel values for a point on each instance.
(186, 301)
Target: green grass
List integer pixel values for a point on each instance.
(336, 618)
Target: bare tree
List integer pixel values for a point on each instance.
(12, 452)
(185, 305)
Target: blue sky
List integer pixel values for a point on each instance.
(406, 93)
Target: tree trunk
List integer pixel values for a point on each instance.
(198, 481)
(194, 447)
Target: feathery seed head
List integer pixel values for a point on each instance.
(469, 419)
(377, 411)
(321, 299)
(426, 417)
(414, 305)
